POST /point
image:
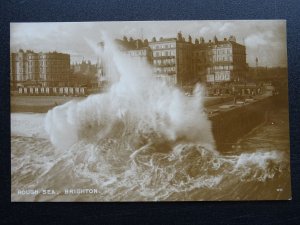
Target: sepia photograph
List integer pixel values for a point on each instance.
(134, 111)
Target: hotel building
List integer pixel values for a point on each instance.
(39, 69)
(184, 62)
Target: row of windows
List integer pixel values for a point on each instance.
(162, 46)
(54, 57)
(222, 77)
(224, 67)
(158, 61)
(222, 51)
(54, 63)
(137, 53)
(222, 59)
(165, 70)
(169, 79)
(164, 53)
(36, 57)
(51, 69)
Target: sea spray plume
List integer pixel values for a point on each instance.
(100, 75)
(60, 126)
(137, 106)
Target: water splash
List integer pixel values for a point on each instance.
(137, 103)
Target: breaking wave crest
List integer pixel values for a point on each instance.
(137, 104)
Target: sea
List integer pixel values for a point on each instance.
(143, 140)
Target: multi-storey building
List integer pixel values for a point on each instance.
(136, 48)
(32, 66)
(184, 63)
(24, 66)
(54, 69)
(164, 59)
(13, 75)
(172, 59)
(227, 61)
(84, 68)
(200, 60)
(39, 69)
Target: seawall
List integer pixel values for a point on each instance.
(233, 123)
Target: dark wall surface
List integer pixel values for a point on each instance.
(280, 212)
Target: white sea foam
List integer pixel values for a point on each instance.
(138, 101)
(28, 125)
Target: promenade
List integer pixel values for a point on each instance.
(41, 104)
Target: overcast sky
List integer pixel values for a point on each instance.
(265, 39)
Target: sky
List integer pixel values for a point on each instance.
(265, 39)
